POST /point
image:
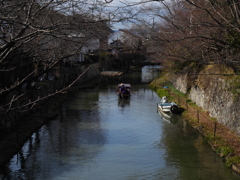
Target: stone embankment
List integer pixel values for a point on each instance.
(213, 94)
(216, 115)
(17, 127)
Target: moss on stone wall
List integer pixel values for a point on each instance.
(224, 141)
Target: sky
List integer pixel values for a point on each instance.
(132, 4)
(124, 3)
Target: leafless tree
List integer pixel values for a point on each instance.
(36, 36)
(197, 33)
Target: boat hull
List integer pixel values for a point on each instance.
(167, 107)
(124, 96)
(164, 108)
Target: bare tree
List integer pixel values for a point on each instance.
(38, 35)
(196, 33)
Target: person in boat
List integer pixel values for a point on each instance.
(123, 90)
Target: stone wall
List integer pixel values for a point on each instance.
(215, 96)
(10, 120)
(181, 83)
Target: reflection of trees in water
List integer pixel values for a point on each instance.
(149, 73)
(180, 149)
(76, 132)
(19, 163)
(189, 153)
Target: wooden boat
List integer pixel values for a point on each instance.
(124, 90)
(167, 107)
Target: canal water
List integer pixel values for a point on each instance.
(98, 136)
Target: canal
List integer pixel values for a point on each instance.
(98, 136)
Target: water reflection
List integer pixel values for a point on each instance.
(99, 136)
(123, 102)
(170, 118)
(149, 73)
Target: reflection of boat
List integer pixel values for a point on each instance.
(167, 107)
(165, 115)
(123, 103)
(170, 118)
(124, 90)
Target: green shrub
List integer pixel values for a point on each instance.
(162, 92)
(224, 150)
(232, 160)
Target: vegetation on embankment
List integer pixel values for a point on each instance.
(223, 141)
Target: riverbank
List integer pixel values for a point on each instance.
(12, 142)
(225, 142)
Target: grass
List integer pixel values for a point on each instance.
(200, 120)
(232, 160)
